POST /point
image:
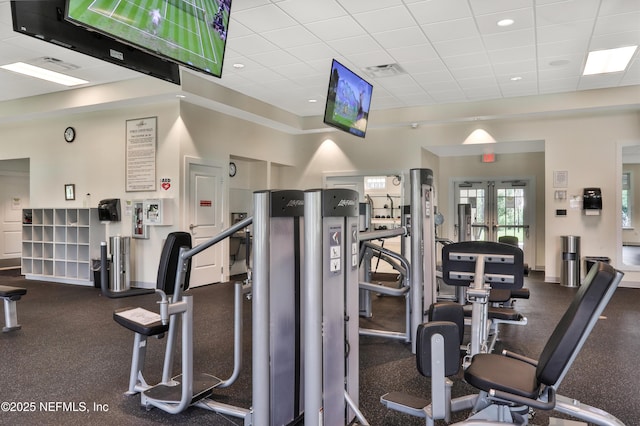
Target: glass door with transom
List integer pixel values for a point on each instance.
(500, 211)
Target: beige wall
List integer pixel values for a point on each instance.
(584, 146)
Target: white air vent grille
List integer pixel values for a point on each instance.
(388, 70)
(53, 64)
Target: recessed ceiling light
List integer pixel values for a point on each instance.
(312, 101)
(610, 60)
(516, 78)
(180, 96)
(43, 74)
(505, 22)
(238, 65)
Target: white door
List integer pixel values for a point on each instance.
(205, 221)
(14, 196)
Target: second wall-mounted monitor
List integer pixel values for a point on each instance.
(348, 101)
(192, 33)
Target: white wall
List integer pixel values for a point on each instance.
(584, 146)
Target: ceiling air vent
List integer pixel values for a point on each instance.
(388, 70)
(53, 64)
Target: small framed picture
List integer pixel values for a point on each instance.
(69, 191)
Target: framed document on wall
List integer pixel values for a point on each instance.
(140, 152)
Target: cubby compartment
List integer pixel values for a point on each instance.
(58, 244)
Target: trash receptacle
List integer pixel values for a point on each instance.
(589, 261)
(570, 272)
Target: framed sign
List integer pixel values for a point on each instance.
(69, 191)
(140, 152)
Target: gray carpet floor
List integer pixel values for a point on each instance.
(69, 363)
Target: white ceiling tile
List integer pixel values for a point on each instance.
(566, 11)
(515, 68)
(517, 54)
(358, 6)
(264, 18)
(389, 19)
(567, 31)
(274, 59)
(336, 28)
(413, 53)
(613, 24)
(459, 47)
(402, 37)
(238, 5)
(251, 45)
(509, 39)
(306, 11)
(488, 24)
(378, 57)
(312, 52)
(359, 44)
(295, 70)
(290, 37)
(558, 86)
(561, 48)
(473, 73)
(615, 40)
(428, 12)
(437, 82)
(451, 30)
(472, 60)
(423, 66)
(483, 7)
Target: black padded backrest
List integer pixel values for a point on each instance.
(451, 264)
(169, 262)
(565, 339)
(448, 311)
(449, 331)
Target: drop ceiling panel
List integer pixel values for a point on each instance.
(290, 44)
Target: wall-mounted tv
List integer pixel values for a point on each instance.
(348, 101)
(192, 33)
(44, 19)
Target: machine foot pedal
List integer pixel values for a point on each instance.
(203, 385)
(405, 403)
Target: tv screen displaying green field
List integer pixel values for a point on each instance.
(190, 32)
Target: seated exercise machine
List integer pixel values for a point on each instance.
(304, 317)
(510, 384)
(175, 394)
(484, 267)
(10, 295)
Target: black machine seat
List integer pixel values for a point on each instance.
(497, 312)
(12, 293)
(147, 329)
(511, 374)
(167, 271)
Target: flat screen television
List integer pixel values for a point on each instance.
(44, 19)
(348, 101)
(192, 33)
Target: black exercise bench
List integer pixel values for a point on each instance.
(10, 295)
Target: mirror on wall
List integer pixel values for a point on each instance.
(630, 202)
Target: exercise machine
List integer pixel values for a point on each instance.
(510, 384)
(10, 295)
(482, 267)
(330, 314)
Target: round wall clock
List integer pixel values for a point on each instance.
(232, 169)
(69, 134)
